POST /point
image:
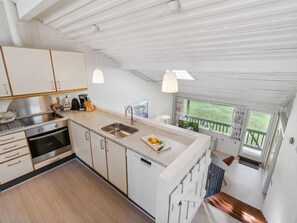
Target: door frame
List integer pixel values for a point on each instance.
(268, 136)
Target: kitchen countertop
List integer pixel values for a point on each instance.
(97, 119)
(179, 139)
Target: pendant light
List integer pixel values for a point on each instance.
(169, 84)
(97, 74)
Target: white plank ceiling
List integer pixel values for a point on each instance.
(143, 35)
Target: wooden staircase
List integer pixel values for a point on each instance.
(236, 208)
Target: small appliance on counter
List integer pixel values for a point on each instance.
(82, 99)
(66, 104)
(75, 104)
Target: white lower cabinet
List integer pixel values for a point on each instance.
(15, 168)
(81, 143)
(142, 181)
(116, 162)
(99, 154)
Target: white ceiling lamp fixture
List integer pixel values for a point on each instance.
(98, 77)
(169, 83)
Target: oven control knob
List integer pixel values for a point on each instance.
(40, 130)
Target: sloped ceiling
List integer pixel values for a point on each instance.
(237, 50)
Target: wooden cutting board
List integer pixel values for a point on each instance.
(157, 147)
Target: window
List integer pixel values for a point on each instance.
(208, 115)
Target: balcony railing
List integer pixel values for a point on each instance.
(254, 139)
(216, 126)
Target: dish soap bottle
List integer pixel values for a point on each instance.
(66, 104)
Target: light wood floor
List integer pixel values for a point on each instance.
(69, 193)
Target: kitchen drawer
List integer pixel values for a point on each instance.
(14, 154)
(52, 160)
(13, 146)
(12, 137)
(15, 168)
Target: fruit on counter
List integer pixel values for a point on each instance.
(153, 140)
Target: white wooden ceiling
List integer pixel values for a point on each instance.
(142, 34)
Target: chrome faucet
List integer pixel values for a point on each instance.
(131, 111)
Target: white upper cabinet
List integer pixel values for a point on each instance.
(4, 85)
(69, 69)
(29, 70)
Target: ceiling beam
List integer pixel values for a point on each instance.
(28, 9)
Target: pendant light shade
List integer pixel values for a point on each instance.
(169, 84)
(98, 76)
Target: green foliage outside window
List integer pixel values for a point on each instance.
(214, 112)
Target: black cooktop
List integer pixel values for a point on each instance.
(38, 119)
(32, 120)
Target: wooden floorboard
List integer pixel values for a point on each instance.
(236, 208)
(70, 193)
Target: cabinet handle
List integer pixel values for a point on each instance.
(87, 135)
(101, 145)
(14, 163)
(6, 90)
(4, 140)
(7, 157)
(55, 160)
(146, 162)
(59, 85)
(9, 147)
(53, 85)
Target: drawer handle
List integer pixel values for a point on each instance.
(145, 161)
(11, 147)
(15, 163)
(4, 140)
(7, 157)
(52, 161)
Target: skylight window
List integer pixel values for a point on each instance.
(183, 75)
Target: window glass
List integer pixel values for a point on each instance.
(208, 115)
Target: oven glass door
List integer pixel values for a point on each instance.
(47, 144)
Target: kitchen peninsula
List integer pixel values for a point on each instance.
(148, 178)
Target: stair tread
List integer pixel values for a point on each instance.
(236, 208)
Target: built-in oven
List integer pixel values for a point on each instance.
(48, 140)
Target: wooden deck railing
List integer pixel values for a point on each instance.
(254, 139)
(216, 126)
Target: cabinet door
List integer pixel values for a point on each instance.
(81, 143)
(116, 159)
(99, 154)
(143, 190)
(70, 70)
(29, 70)
(4, 86)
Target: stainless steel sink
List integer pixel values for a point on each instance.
(119, 129)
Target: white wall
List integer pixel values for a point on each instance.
(280, 203)
(121, 86)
